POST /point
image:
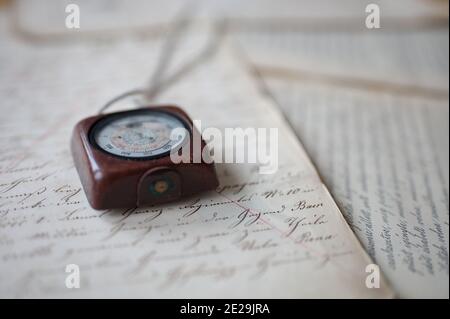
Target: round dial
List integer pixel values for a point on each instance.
(142, 134)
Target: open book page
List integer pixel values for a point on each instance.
(275, 235)
(385, 159)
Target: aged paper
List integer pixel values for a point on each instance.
(372, 111)
(278, 235)
(385, 159)
(413, 59)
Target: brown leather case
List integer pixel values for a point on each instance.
(113, 182)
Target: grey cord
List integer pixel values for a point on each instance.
(182, 21)
(121, 97)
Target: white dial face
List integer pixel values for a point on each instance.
(139, 134)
